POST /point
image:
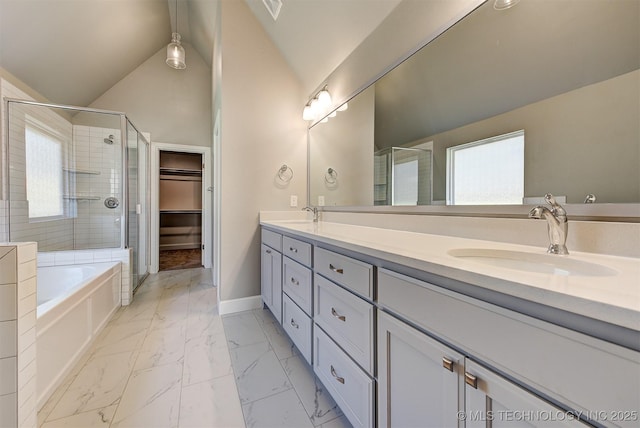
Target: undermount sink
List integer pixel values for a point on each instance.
(532, 262)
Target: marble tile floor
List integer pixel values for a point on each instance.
(170, 360)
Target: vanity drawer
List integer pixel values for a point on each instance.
(297, 250)
(272, 239)
(347, 318)
(350, 273)
(298, 326)
(297, 283)
(349, 386)
(583, 372)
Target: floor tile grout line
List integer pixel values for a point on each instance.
(284, 370)
(297, 355)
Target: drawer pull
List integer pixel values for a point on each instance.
(334, 374)
(268, 251)
(336, 270)
(471, 380)
(447, 364)
(295, 250)
(294, 281)
(294, 324)
(337, 315)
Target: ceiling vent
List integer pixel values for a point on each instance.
(273, 6)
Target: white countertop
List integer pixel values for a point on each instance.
(613, 298)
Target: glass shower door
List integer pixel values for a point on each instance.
(137, 215)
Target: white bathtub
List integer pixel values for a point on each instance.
(74, 304)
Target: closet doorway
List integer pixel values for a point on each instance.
(181, 196)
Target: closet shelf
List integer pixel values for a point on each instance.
(81, 171)
(168, 211)
(181, 171)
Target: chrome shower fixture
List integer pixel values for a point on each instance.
(109, 140)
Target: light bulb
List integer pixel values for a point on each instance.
(324, 97)
(504, 4)
(307, 113)
(315, 107)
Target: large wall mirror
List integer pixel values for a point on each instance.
(503, 107)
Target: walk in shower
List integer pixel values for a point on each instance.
(75, 179)
(403, 176)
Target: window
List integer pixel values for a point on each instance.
(44, 171)
(487, 172)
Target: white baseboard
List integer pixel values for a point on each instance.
(239, 305)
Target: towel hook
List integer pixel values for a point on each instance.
(285, 173)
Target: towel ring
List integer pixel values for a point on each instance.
(285, 173)
(331, 176)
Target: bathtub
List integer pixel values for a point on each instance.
(74, 304)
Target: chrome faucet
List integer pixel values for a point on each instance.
(315, 212)
(556, 223)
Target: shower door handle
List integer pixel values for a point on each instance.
(210, 189)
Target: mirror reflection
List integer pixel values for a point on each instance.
(503, 107)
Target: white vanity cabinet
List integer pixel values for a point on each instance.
(271, 272)
(491, 401)
(420, 380)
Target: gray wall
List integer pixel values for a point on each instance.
(262, 128)
(565, 154)
(173, 105)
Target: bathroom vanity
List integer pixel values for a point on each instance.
(411, 329)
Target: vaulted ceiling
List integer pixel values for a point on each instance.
(72, 51)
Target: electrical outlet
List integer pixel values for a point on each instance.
(294, 201)
(321, 201)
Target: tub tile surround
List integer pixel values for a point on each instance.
(170, 359)
(17, 335)
(614, 299)
(74, 257)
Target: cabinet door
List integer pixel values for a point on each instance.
(419, 378)
(492, 401)
(271, 280)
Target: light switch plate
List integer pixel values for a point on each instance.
(321, 201)
(294, 201)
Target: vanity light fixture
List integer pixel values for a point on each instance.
(318, 106)
(175, 51)
(504, 4)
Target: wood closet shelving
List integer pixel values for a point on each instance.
(180, 200)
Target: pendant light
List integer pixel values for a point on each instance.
(175, 51)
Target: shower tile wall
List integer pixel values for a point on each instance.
(17, 335)
(97, 226)
(50, 235)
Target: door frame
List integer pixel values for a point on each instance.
(207, 236)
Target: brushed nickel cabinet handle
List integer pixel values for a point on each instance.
(447, 364)
(294, 281)
(334, 374)
(471, 380)
(295, 324)
(335, 269)
(337, 315)
(295, 250)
